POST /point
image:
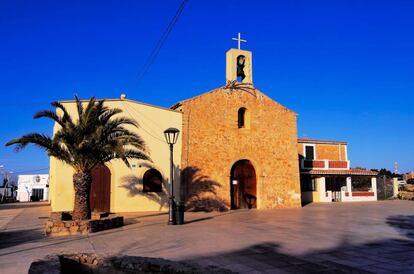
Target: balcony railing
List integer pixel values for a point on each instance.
(323, 164)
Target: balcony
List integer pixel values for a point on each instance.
(323, 164)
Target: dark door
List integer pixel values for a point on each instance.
(335, 184)
(37, 194)
(100, 195)
(243, 185)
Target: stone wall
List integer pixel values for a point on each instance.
(96, 264)
(213, 142)
(405, 192)
(58, 226)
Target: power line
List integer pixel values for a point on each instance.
(32, 170)
(148, 118)
(143, 127)
(154, 53)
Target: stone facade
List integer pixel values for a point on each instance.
(213, 142)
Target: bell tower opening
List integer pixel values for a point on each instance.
(240, 68)
(239, 64)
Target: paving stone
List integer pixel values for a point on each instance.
(270, 241)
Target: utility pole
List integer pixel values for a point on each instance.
(6, 182)
(6, 177)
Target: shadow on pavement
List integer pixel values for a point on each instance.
(388, 256)
(131, 218)
(404, 224)
(198, 220)
(23, 205)
(385, 256)
(17, 237)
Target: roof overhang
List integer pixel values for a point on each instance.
(316, 141)
(352, 171)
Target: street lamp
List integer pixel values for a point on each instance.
(171, 136)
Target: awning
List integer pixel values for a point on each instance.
(352, 171)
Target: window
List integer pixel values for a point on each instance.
(152, 181)
(309, 152)
(243, 118)
(361, 183)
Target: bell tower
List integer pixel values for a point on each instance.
(239, 64)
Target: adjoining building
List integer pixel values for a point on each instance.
(326, 176)
(32, 187)
(115, 187)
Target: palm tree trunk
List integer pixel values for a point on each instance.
(82, 182)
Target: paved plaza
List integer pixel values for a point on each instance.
(366, 237)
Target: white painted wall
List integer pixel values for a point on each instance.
(26, 183)
(352, 198)
(325, 196)
(395, 186)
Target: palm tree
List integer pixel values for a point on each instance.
(93, 138)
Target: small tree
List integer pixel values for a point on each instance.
(96, 136)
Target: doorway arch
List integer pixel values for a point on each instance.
(100, 194)
(243, 185)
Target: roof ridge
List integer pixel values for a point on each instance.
(179, 103)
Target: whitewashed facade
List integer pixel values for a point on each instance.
(34, 185)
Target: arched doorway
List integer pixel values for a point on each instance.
(100, 195)
(243, 185)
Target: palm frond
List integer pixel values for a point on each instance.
(51, 115)
(66, 116)
(136, 154)
(107, 115)
(98, 135)
(79, 106)
(41, 140)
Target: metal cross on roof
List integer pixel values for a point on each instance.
(238, 39)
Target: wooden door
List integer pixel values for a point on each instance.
(100, 195)
(243, 186)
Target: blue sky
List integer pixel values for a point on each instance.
(346, 67)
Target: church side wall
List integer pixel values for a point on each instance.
(212, 143)
(126, 183)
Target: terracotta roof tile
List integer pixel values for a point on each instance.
(352, 171)
(316, 141)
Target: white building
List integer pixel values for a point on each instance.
(32, 187)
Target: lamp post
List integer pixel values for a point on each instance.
(171, 136)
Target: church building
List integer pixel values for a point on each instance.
(237, 148)
(239, 145)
